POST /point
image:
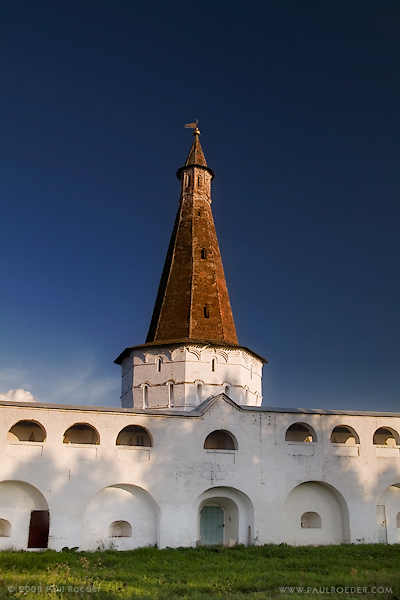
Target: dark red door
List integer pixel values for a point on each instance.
(39, 529)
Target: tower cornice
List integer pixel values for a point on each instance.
(187, 343)
(182, 169)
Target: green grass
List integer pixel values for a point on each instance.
(239, 573)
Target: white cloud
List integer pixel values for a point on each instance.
(19, 395)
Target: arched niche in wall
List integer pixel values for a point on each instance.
(26, 431)
(220, 440)
(199, 390)
(300, 432)
(118, 503)
(120, 529)
(301, 506)
(310, 520)
(5, 528)
(386, 436)
(344, 434)
(81, 433)
(134, 435)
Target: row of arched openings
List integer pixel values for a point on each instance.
(342, 434)
(135, 435)
(132, 435)
(79, 433)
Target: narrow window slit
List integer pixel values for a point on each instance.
(203, 253)
(206, 312)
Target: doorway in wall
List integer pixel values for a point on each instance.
(381, 522)
(211, 526)
(39, 529)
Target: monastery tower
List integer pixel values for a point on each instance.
(191, 351)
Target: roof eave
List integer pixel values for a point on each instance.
(215, 343)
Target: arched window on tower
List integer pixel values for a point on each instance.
(159, 363)
(213, 363)
(145, 395)
(199, 392)
(170, 394)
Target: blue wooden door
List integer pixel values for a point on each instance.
(211, 525)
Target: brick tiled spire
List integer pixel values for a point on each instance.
(192, 300)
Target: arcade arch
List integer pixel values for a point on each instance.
(300, 432)
(81, 433)
(224, 516)
(388, 515)
(134, 435)
(220, 440)
(344, 434)
(24, 516)
(26, 431)
(386, 436)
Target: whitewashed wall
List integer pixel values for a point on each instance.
(269, 479)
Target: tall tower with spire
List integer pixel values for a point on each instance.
(191, 351)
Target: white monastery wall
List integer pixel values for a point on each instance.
(269, 488)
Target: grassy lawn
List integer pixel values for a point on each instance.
(253, 573)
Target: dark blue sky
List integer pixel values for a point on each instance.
(298, 105)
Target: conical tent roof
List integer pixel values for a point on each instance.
(192, 300)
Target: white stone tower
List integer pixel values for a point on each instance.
(191, 351)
